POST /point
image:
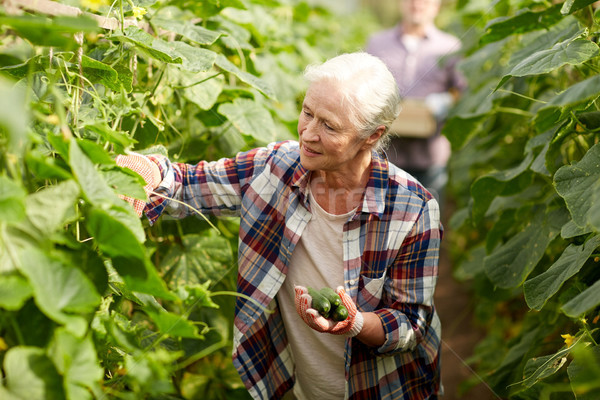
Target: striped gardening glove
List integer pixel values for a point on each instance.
(351, 326)
(147, 169)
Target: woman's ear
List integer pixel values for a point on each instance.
(375, 136)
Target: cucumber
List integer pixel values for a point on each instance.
(319, 302)
(340, 313)
(332, 296)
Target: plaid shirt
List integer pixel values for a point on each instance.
(391, 251)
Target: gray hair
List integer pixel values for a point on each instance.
(368, 88)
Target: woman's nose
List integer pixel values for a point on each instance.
(309, 131)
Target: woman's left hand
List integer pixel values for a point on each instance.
(351, 326)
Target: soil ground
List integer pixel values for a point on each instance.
(459, 335)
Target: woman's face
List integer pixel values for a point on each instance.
(328, 140)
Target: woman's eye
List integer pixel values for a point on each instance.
(327, 126)
(308, 114)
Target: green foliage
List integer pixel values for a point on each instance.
(524, 176)
(94, 302)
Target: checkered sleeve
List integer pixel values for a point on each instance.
(411, 283)
(212, 188)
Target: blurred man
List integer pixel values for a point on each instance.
(414, 51)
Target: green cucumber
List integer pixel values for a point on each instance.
(340, 313)
(319, 302)
(332, 296)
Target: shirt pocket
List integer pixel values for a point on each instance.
(370, 291)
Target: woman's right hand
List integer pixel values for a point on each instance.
(147, 169)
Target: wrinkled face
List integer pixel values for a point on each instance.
(419, 12)
(328, 140)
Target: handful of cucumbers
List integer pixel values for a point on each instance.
(328, 303)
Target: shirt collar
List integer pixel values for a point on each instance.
(375, 192)
(430, 31)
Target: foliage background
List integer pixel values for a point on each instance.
(95, 303)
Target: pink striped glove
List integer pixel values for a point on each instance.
(147, 169)
(351, 326)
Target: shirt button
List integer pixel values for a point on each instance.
(352, 282)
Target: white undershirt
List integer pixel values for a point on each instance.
(317, 261)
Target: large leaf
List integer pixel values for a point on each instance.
(76, 360)
(31, 375)
(555, 110)
(173, 324)
(98, 72)
(200, 258)
(572, 52)
(578, 184)
(12, 200)
(203, 89)
(57, 32)
(540, 288)
(524, 21)
(584, 371)
(570, 6)
(112, 232)
(583, 302)
(510, 264)
(60, 291)
(92, 184)
(486, 188)
(14, 116)
(192, 58)
(60, 198)
(250, 118)
(195, 33)
(14, 291)
(223, 63)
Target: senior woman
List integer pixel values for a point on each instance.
(326, 211)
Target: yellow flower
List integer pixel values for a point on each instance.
(139, 12)
(94, 4)
(3, 345)
(568, 339)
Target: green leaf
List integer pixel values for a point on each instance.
(31, 375)
(539, 368)
(98, 72)
(92, 184)
(583, 302)
(584, 371)
(523, 21)
(116, 233)
(113, 233)
(119, 139)
(223, 63)
(194, 59)
(14, 291)
(60, 290)
(578, 184)
(76, 360)
(488, 187)
(14, 117)
(173, 324)
(198, 259)
(124, 182)
(250, 119)
(42, 166)
(540, 288)
(196, 34)
(510, 264)
(570, 6)
(561, 105)
(12, 200)
(573, 52)
(56, 32)
(61, 199)
(205, 94)
(147, 44)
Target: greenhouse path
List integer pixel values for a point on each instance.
(459, 335)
